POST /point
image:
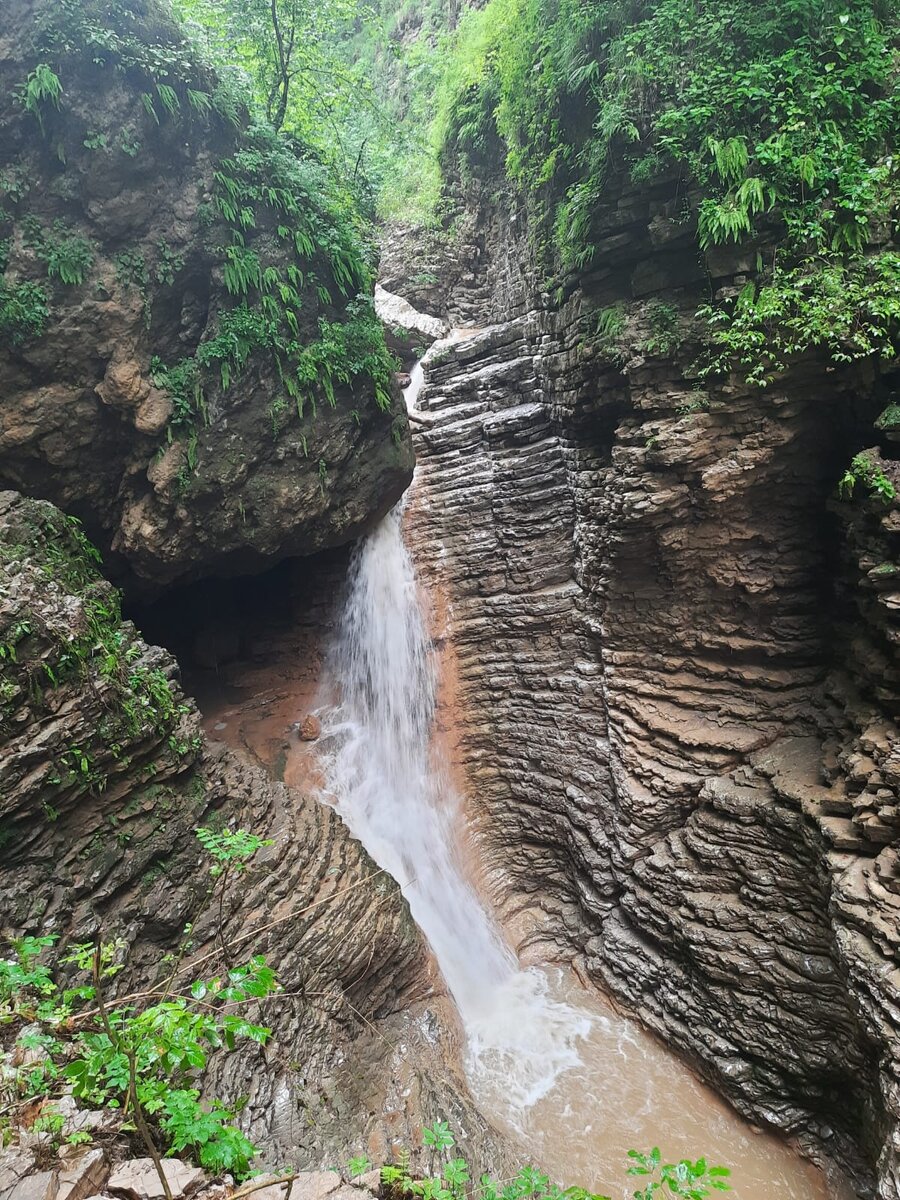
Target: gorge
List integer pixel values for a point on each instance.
(572, 762)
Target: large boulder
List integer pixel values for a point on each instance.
(189, 355)
(407, 329)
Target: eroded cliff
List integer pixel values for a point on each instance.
(677, 730)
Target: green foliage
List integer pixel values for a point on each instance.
(889, 419)
(42, 87)
(130, 143)
(182, 382)
(132, 271)
(438, 1135)
(35, 658)
(850, 308)
(691, 1180)
(867, 471)
(23, 980)
(288, 53)
(230, 849)
(684, 1180)
(168, 264)
(69, 258)
(283, 219)
(770, 105)
(242, 271)
(14, 185)
(168, 98)
(143, 1055)
(265, 183)
(604, 330)
(151, 1058)
(665, 336)
(66, 254)
(23, 313)
(121, 36)
(781, 115)
(694, 402)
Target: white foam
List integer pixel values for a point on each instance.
(385, 779)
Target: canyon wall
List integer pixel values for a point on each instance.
(107, 773)
(675, 666)
(151, 390)
(158, 397)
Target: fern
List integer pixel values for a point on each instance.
(168, 97)
(200, 102)
(731, 158)
(42, 87)
(149, 109)
(241, 270)
(722, 221)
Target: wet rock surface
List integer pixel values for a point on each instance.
(98, 817)
(678, 740)
(405, 327)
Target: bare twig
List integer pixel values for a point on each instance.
(291, 916)
(256, 1187)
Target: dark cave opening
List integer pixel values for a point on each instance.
(252, 651)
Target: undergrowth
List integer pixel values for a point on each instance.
(774, 122)
(141, 1053)
(283, 234)
(301, 297)
(686, 1179)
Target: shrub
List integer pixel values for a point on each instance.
(867, 471)
(23, 313)
(783, 114)
(144, 1052)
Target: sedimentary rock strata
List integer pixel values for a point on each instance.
(106, 774)
(679, 743)
(179, 481)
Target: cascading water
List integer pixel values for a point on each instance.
(397, 799)
(576, 1082)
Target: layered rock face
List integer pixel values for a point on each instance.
(105, 775)
(109, 205)
(677, 731)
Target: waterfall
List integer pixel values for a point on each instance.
(389, 784)
(578, 1083)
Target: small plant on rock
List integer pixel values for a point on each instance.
(23, 313)
(867, 472)
(665, 337)
(42, 87)
(66, 254)
(69, 258)
(683, 1180)
(231, 851)
(606, 329)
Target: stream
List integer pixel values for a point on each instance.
(552, 1064)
